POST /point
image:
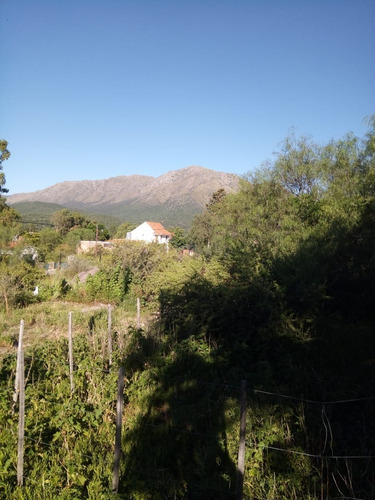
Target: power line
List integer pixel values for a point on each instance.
(23, 221)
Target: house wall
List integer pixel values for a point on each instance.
(86, 246)
(163, 238)
(142, 233)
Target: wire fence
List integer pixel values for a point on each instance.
(234, 388)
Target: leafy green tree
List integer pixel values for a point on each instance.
(65, 220)
(4, 155)
(205, 233)
(18, 278)
(10, 225)
(298, 165)
(46, 244)
(9, 217)
(74, 236)
(99, 230)
(81, 226)
(178, 239)
(123, 229)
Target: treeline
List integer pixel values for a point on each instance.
(279, 293)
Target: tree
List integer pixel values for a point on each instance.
(298, 165)
(47, 242)
(216, 198)
(4, 155)
(123, 229)
(205, 233)
(74, 236)
(18, 278)
(100, 231)
(178, 239)
(65, 220)
(9, 218)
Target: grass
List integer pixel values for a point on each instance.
(49, 321)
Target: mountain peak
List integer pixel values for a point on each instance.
(189, 186)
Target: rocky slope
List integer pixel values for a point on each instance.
(190, 184)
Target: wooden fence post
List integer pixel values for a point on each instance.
(241, 448)
(21, 419)
(19, 350)
(109, 335)
(71, 353)
(119, 409)
(138, 313)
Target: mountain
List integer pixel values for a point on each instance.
(172, 198)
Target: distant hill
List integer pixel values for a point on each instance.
(39, 213)
(36, 212)
(173, 198)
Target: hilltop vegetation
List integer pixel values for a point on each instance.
(35, 215)
(279, 293)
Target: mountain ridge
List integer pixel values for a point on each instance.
(133, 197)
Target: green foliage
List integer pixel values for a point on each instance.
(68, 452)
(36, 215)
(123, 229)
(298, 166)
(66, 222)
(9, 217)
(178, 239)
(140, 260)
(136, 213)
(4, 155)
(280, 295)
(108, 285)
(18, 279)
(7, 235)
(46, 243)
(74, 236)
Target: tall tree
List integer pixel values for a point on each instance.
(4, 155)
(9, 218)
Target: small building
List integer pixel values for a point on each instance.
(149, 232)
(87, 246)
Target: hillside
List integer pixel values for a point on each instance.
(39, 213)
(172, 198)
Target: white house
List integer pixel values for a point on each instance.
(149, 232)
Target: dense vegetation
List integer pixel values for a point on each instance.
(36, 214)
(279, 293)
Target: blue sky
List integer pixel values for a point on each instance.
(94, 89)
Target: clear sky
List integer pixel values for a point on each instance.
(93, 89)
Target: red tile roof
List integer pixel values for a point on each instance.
(159, 229)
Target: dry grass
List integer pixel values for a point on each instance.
(49, 321)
